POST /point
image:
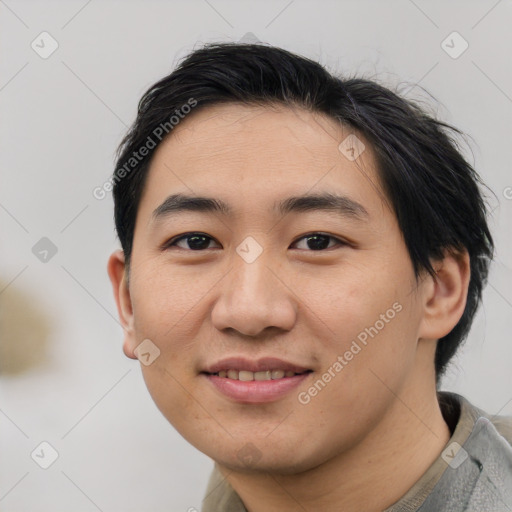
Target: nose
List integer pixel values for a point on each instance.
(253, 297)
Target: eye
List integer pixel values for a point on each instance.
(199, 241)
(319, 241)
(195, 241)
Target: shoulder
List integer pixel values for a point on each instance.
(478, 458)
(458, 406)
(502, 423)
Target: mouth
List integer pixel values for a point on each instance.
(253, 382)
(247, 375)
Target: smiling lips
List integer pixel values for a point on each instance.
(246, 375)
(261, 381)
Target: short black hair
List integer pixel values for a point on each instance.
(434, 192)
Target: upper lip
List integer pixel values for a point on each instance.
(259, 365)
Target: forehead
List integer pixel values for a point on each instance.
(252, 154)
(241, 131)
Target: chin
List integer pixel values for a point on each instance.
(275, 458)
(266, 465)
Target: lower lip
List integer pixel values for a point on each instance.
(256, 391)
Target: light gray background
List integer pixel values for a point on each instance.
(63, 376)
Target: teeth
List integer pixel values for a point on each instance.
(246, 376)
(277, 374)
(267, 375)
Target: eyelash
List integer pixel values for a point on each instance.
(173, 241)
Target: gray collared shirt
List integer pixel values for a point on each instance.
(472, 474)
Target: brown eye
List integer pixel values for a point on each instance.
(319, 241)
(199, 242)
(191, 241)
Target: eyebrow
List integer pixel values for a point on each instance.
(178, 203)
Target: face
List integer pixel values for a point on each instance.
(276, 327)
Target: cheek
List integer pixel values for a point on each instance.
(164, 299)
(170, 393)
(371, 339)
(159, 291)
(358, 382)
(165, 306)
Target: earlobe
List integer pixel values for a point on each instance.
(116, 269)
(445, 295)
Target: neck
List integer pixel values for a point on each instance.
(372, 475)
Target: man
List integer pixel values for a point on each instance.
(301, 257)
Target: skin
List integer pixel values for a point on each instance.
(371, 433)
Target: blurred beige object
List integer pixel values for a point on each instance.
(24, 331)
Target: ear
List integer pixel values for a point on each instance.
(117, 272)
(445, 295)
